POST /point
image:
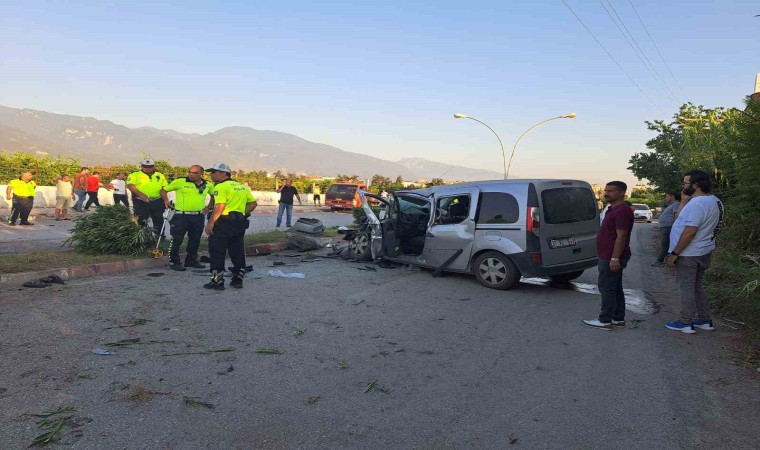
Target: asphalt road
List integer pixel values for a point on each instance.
(454, 365)
(47, 234)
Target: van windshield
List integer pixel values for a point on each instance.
(567, 205)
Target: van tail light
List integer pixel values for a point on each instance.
(534, 220)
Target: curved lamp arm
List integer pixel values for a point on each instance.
(504, 156)
(564, 116)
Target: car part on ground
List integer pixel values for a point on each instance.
(302, 242)
(308, 226)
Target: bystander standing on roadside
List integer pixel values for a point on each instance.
(189, 216)
(21, 192)
(145, 185)
(93, 186)
(80, 187)
(692, 241)
(317, 192)
(287, 192)
(665, 221)
(233, 205)
(119, 186)
(614, 251)
(64, 195)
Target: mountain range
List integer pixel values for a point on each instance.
(94, 141)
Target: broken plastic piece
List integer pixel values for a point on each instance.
(279, 273)
(102, 351)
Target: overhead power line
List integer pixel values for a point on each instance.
(658, 50)
(633, 43)
(614, 60)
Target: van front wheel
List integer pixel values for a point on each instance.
(496, 271)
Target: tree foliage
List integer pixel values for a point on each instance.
(110, 230)
(697, 138)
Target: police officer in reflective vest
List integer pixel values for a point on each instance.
(189, 216)
(23, 190)
(145, 186)
(233, 204)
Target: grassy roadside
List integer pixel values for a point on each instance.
(51, 259)
(733, 287)
(58, 259)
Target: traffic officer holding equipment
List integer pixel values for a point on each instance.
(189, 216)
(22, 190)
(233, 204)
(145, 186)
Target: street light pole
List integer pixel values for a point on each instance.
(504, 156)
(564, 116)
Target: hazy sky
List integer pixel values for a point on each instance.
(384, 78)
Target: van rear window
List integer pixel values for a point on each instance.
(568, 205)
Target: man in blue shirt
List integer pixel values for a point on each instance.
(692, 241)
(665, 221)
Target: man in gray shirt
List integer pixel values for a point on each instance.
(666, 220)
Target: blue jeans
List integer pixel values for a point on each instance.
(284, 207)
(611, 289)
(80, 199)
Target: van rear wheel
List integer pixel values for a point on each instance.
(565, 277)
(496, 271)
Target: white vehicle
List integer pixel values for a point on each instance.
(642, 212)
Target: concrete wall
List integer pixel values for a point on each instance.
(45, 197)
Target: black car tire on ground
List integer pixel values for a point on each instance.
(360, 247)
(565, 277)
(496, 271)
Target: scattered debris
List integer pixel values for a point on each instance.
(101, 351)
(156, 274)
(61, 410)
(297, 331)
(49, 436)
(512, 439)
(368, 268)
(128, 363)
(133, 323)
(44, 282)
(268, 351)
(279, 273)
(312, 399)
(85, 376)
(35, 284)
(374, 387)
(195, 401)
(302, 242)
(205, 352)
(136, 341)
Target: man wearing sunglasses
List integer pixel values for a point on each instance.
(189, 211)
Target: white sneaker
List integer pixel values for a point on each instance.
(595, 323)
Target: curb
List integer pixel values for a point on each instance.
(15, 280)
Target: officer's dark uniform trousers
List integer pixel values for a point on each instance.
(228, 235)
(192, 224)
(21, 206)
(153, 209)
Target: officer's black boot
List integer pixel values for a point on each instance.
(194, 264)
(175, 265)
(237, 278)
(217, 281)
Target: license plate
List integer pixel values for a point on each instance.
(562, 243)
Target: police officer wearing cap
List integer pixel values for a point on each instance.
(189, 216)
(233, 204)
(145, 186)
(23, 190)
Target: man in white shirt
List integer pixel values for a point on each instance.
(692, 241)
(119, 186)
(64, 196)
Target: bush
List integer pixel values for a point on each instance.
(111, 230)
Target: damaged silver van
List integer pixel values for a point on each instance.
(497, 230)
